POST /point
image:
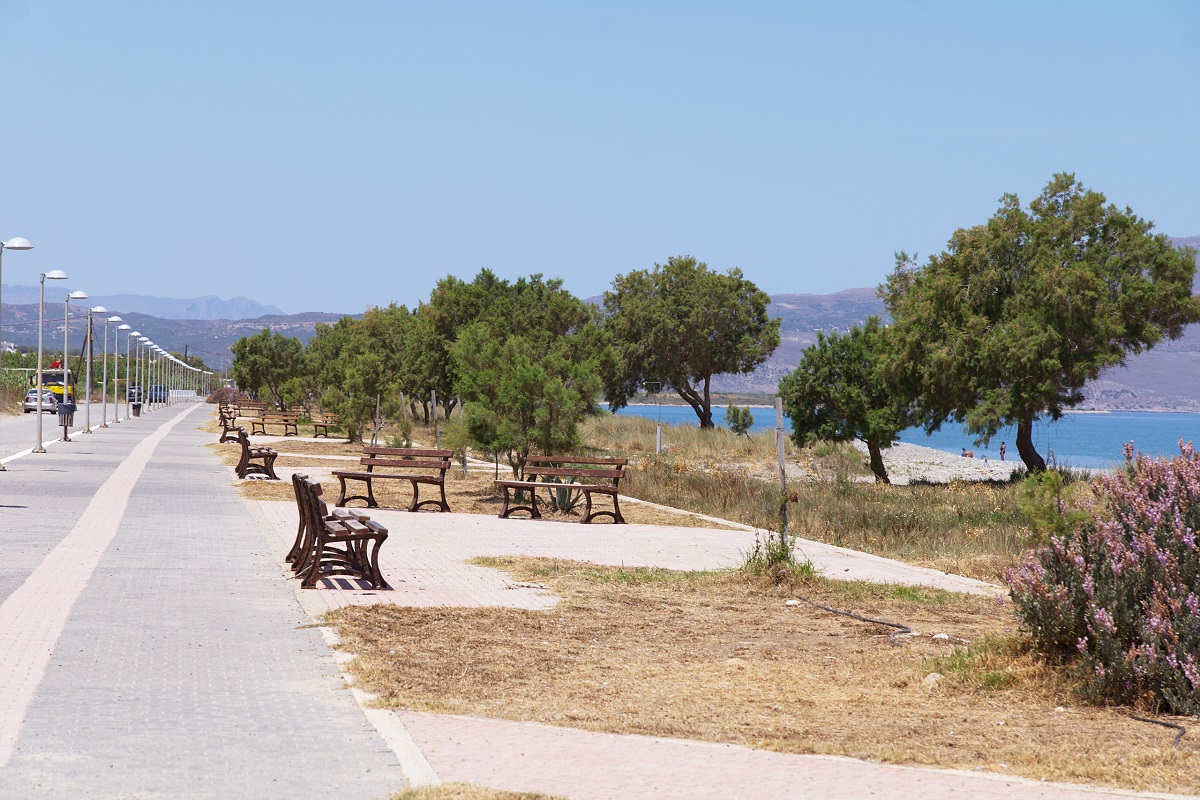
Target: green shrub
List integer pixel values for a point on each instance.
(740, 420)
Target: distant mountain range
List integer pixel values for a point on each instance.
(1166, 378)
(210, 307)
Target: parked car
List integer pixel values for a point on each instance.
(134, 394)
(157, 394)
(49, 403)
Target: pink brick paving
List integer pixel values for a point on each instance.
(528, 757)
(33, 616)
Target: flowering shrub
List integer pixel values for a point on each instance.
(1118, 591)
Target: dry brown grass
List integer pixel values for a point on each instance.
(463, 791)
(722, 658)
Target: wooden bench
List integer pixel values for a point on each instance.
(248, 408)
(332, 543)
(408, 459)
(229, 427)
(567, 473)
(321, 424)
(288, 419)
(256, 459)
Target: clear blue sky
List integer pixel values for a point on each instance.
(331, 156)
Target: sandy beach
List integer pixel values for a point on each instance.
(911, 462)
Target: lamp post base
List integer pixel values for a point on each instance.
(38, 450)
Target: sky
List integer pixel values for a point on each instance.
(331, 156)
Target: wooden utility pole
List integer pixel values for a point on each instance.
(783, 492)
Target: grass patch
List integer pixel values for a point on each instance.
(532, 569)
(721, 657)
(999, 662)
(969, 529)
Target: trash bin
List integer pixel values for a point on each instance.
(66, 414)
(137, 409)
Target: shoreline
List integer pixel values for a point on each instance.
(907, 463)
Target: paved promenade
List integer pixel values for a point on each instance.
(148, 645)
(152, 645)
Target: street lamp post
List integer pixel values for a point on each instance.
(54, 275)
(66, 361)
(87, 398)
(15, 243)
(128, 335)
(137, 371)
(104, 391)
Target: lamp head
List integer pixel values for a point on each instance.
(114, 318)
(123, 327)
(77, 296)
(55, 275)
(99, 310)
(136, 334)
(16, 243)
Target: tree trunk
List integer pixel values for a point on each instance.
(1025, 448)
(700, 404)
(877, 466)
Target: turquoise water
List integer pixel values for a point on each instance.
(1086, 440)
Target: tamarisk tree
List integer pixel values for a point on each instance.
(1017, 315)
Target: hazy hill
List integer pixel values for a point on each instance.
(208, 338)
(209, 307)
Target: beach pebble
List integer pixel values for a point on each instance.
(941, 637)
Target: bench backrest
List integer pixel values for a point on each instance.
(591, 469)
(405, 458)
(280, 416)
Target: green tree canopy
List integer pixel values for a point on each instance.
(678, 325)
(1016, 316)
(357, 365)
(838, 393)
(524, 395)
(535, 308)
(265, 362)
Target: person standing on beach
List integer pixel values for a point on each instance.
(1002, 449)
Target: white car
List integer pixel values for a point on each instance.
(49, 402)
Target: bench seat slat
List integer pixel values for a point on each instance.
(559, 472)
(579, 460)
(403, 463)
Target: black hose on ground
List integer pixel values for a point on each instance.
(1182, 730)
(900, 629)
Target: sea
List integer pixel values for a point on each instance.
(1082, 439)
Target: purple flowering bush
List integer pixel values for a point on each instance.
(1118, 591)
